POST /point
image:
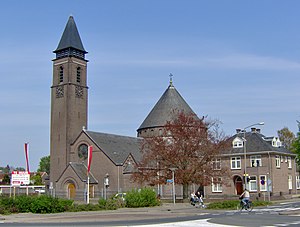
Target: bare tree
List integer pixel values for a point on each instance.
(188, 144)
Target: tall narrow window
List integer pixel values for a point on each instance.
(253, 183)
(263, 183)
(277, 161)
(61, 74)
(78, 78)
(289, 162)
(216, 164)
(216, 184)
(298, 182)
(290, 182)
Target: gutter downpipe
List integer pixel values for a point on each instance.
(268, 176)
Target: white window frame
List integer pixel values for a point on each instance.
(253, 184)
(236, 161)
(216, 187)
(216, 164)
(254, 160)
(289, 161)
(297, 182)
(262, 187)
(277, 161)
(290, 182)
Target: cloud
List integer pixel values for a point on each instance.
(226, 61)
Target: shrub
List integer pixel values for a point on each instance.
(144, 197)
(23, 203)
(232, 204)
(102, 203)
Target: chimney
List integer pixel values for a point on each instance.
(258, 130)
(253, 129)
(238, 130)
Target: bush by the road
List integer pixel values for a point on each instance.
(144, 197)
(33, 204)
(232, 204)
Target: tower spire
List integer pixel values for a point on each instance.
(70, 43)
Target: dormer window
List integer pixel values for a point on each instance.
(237, 142)
(276, 142)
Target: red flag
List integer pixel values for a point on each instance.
(26, 156)
(90, 155)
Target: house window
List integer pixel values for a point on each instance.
(216, 164)
(236, 162)
(263, 183)
(290, 182)
(289, 162)
(298, 182)
(277, 161)
(61, 74)
(253, 184)
(255, 161)
(78, 78)
(216, 184)
(237, 142)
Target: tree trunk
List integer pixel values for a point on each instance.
(185, 191)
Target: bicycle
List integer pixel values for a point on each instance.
(248, 206)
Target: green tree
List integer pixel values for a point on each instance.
(6, 179)
(36, 179)
(296, 148)
(44, 165)
(287, 137)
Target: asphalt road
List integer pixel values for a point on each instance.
(281, 214)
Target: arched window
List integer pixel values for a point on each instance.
(78, 78)
(61, 74)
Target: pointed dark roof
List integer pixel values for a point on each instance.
(70, 37)
(166, 109)
(117, 147)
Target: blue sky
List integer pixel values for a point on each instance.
(236, 61)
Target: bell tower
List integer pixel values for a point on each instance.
(69, 98)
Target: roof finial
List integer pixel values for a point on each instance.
(171, 81)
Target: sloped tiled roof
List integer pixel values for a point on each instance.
(256, 142)
(70, 37)
(81, 171)
(117, 147)
(166, 109)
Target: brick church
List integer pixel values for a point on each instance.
(114, 156)
(271, 169)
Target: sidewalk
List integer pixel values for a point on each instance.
(164, 211)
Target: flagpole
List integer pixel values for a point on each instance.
(88, 179)
(89, 162)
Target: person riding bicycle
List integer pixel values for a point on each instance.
(245, 196)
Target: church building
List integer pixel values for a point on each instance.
(262, 164)
(114, 156)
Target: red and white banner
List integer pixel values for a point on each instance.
(90, 155)
(26, 156)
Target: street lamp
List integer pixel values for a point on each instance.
(173, 169)
(106, 184)
(245, 151)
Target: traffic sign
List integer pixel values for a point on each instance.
(169, 180)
